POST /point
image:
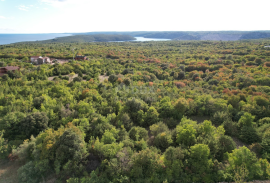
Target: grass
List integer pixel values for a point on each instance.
(8, 171)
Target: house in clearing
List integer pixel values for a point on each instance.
(40, 60)
(81, 57)
(4, 70)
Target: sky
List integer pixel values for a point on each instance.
(69, 16)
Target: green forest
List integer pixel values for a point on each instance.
(137, 112)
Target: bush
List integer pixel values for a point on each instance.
(138, 133)
(163, 140)
(127, 81)
(263, 121)
(219, 117)
(33, 124)
(158, 128)
(225, 144)
(29, 173)
(213, 82)
(230, 128)
(38, 101)
(112, 78)
(249, 135)
(77, 79)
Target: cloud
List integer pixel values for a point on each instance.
(2, 17)
(23, 8)
(59, 3)
(54, 2)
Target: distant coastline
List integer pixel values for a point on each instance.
(133, 36)
(15, 38)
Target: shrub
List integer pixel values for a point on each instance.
(112, 78)
(263, 121)
(225, 144)
(230, 128)
(219, 117)
(163, 140)
(138, 133)
(31, 172)
(249, 135)
(34, 123)
(77, 79)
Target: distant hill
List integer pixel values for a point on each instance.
(255, 35)
(87, 38)
(192, 35)
(173, 35)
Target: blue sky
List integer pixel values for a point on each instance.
(60, 16)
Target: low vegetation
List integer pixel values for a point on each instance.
(162, 112)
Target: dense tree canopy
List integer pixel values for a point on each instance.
(176, 111)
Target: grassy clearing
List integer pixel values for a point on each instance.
(8, 171)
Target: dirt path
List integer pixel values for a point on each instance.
(102, 77)
(51, 78)
(60, 61)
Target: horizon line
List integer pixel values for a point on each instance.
(139, 31)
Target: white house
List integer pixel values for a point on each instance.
(40, 60)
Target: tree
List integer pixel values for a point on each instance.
(3, 145)
(33, 124)
(163, 140)
(112, 78)
(78, 79)
(225, 144)
(246, 120)
(244, 157)
(145, 164)
(108, 137)
(69, 147)
(186, 134)
(150, 117)
(126, 121)
(71, 75)
(127, 81)
(200, 163)
(138, 133)
(38, 101)
(180, 107)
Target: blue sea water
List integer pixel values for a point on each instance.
(150, 39)
(14, 38)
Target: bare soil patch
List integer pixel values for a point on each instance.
(102, 77)
(51, 78)
(8, 171)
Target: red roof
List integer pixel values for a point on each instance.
(12, 68)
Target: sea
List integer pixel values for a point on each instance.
(150, 39)
(15, 38)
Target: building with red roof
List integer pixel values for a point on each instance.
(4, 70)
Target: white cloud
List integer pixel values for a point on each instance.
(2, 17)
(23, 8)
(59, 3)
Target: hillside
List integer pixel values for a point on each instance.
(88, 38)
(136, 112)
(192, 35)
